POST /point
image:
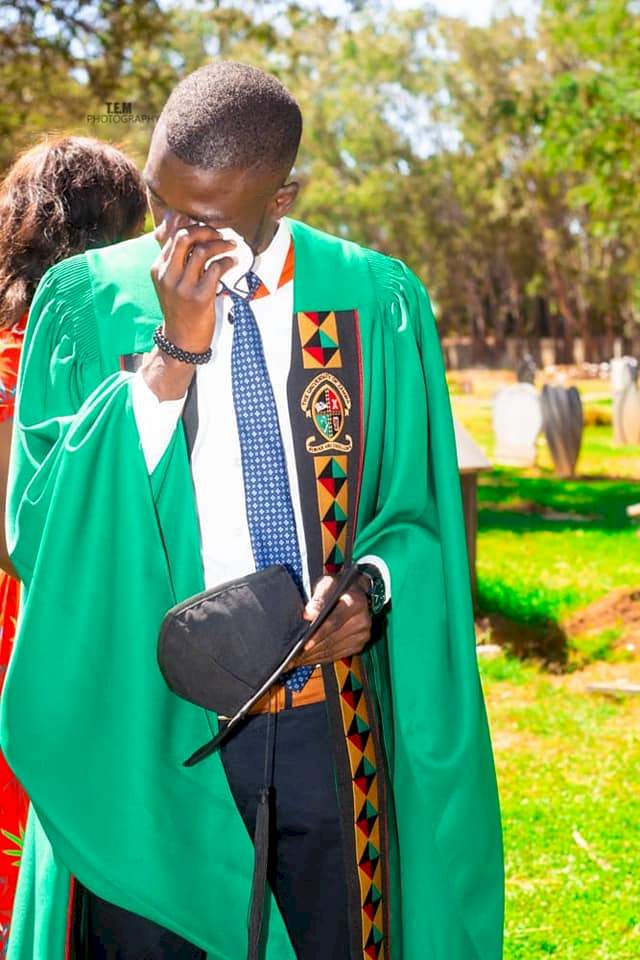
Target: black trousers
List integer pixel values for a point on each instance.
(306, 870)
(102, 931)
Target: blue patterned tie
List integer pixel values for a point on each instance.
(272, 524)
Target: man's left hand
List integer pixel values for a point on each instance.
(347, 629)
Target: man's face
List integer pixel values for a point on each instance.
(249, 201)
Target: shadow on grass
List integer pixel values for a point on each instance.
(526, 619)
(507, 500)
(542, 640)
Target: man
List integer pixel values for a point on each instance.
(300, 416)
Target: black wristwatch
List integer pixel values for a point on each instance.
(376, 591)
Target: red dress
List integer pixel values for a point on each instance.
(13, 800)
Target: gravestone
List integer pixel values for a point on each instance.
(624, 371)
(526, 372)
(629, 416)
(547, 352)
(626, 401)
(562, 421)
(517, 421)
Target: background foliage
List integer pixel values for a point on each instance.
(499, 161)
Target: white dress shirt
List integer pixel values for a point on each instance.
(216, 462)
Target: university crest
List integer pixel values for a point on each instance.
(327, 403)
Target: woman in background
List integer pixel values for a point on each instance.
(62, 197)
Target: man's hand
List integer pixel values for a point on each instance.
(345, 632)
(187, 294)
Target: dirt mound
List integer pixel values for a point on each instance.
(620, 610)
(551, 642)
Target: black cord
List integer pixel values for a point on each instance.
(262, 840)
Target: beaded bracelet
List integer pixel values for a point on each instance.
(176, 352)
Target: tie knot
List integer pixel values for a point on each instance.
(237, 296)
(253, 282)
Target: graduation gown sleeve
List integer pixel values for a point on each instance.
(88, 723)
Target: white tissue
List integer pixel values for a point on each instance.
(244, 257)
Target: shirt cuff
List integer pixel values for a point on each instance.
(379, 563)
(156, 420)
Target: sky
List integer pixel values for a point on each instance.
(479, 11)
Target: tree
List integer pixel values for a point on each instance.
(63, 59)
(500, 162)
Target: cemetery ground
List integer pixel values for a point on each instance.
(559, 591)
(567, 765)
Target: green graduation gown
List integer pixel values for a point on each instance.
(103, 550)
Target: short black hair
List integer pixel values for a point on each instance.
(229, 115)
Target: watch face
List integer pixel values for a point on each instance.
(376, 591)
(377, 596)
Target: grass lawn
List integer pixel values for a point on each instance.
(568, 766)
(547, 546)
(568, 760)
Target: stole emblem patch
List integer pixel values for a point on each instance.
(327, 403)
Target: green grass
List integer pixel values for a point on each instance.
(600, 645)
(567, 767)
(567, 760)
(537, 568)
(533, 567)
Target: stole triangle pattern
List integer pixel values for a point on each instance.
(362, 760)
(366, 819)
(372, 902)
(375, 943)
(333, 502)
(319, 338)
(358, 733)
